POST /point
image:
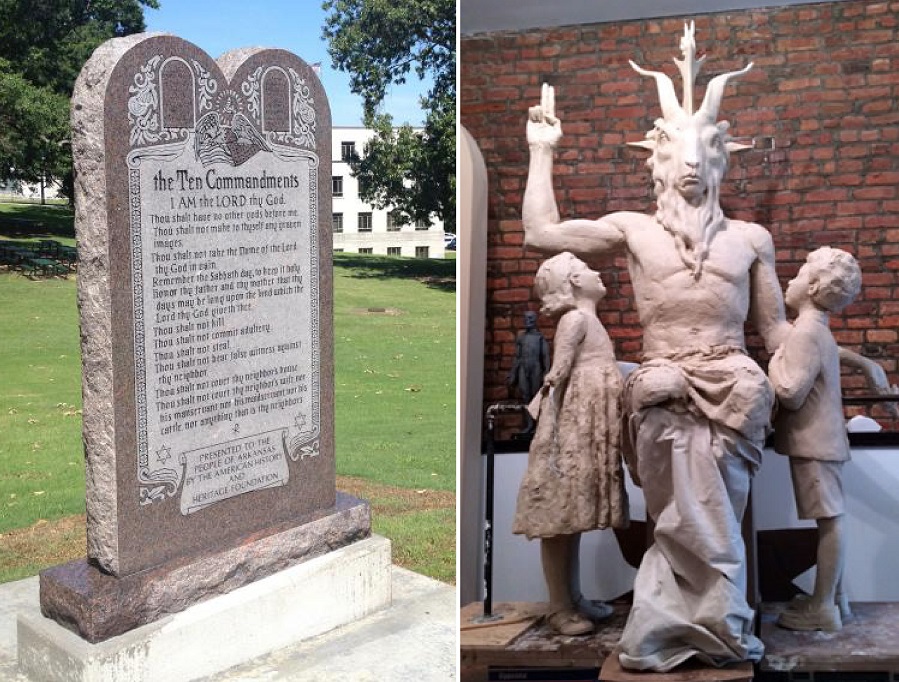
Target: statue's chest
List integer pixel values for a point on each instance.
(660, 256)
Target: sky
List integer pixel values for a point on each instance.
(217, 26)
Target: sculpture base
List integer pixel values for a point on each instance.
(522, 640)
(867, 643)
(282, 609)
(688, 672)
(520, 645)
(97, 606)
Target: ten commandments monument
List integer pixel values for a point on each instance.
(203, 207)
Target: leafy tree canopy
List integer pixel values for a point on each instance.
(379, 42)
(43, 45)
(33, 122)
(48, 41)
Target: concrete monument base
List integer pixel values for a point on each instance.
(274, 612)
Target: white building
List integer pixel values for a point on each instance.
(16, 190)
(361, 228)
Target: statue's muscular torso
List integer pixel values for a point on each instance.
(677, 311)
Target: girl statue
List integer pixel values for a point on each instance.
(574, 480)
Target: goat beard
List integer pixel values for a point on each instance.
(693, 227)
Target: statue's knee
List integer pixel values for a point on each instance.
(657, 385)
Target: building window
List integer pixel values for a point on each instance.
(337, 185)
(347, 151)
(337, 221)
(422, 224)
(421, 251)
(394, 251)
(338, 250)
(393, 224)
(369, 250)
(365, 222)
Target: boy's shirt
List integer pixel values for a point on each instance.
(805, 372)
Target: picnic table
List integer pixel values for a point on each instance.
(12, 253)
(68, 255)
(43, 266)
(46, 258)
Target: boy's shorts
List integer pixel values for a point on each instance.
(818, 488)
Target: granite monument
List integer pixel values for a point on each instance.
(203, 221)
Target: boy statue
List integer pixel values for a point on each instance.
(809, 428)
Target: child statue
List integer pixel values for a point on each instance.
(574, 480)
(809, 428)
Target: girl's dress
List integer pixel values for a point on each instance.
(575, 480)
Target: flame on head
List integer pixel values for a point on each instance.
(689, 67)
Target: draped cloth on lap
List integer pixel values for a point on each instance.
(695, 460)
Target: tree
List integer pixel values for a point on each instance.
(43, 45)
(379, 42)
(34, 123)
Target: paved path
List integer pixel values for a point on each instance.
(416, 639)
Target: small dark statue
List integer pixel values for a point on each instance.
(531, 364)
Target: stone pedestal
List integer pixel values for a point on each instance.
(282, 609)
(97, 606)
(867, 644)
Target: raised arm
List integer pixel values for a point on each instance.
(875, 376)
(767, 304)
(540, 215)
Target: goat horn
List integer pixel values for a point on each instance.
(715, 91)
(671, 108)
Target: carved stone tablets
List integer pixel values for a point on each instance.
(203, 216)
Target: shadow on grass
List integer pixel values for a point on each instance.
(435, 273)
(33, 221)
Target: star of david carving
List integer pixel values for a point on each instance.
(163, 454)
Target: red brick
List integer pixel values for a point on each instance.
(881, 336)
(830, 180)
(874, 193)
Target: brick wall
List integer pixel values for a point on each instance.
(820, 107)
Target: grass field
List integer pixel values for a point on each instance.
(395, 407)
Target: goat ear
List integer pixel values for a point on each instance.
(643, 144)
(737, 147)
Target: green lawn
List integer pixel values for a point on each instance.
(395, 354)
(33, 221)
(394, 322)
(41, 461)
